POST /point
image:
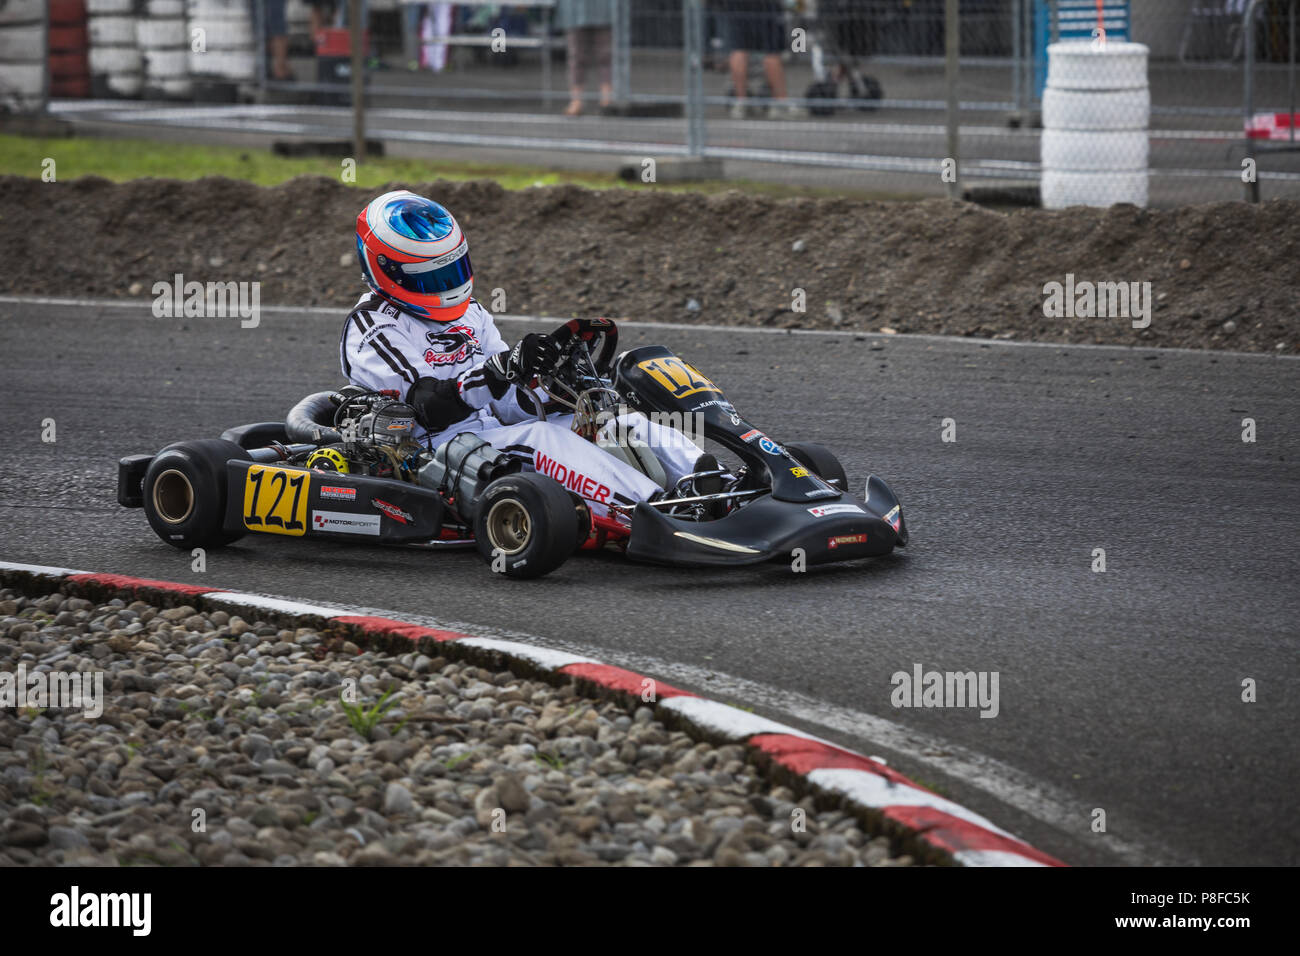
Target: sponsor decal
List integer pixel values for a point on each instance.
(571, 478)
(401, 424)
(894, 518)
(394, 512)
(751, 434)
(771, 447)
(372, 332)
(838, 540)
(452, 256)
(800, 472)
(338, 493)
(722, 404)
(342, 523)
(822, 493)
(451, 346)
(821, 511)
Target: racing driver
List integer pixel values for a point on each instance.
(420, 333)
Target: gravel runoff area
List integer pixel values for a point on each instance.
(1220, 275)
(243, 721)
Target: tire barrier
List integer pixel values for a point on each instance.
(1096, 113)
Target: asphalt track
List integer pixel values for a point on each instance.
(1118, 690)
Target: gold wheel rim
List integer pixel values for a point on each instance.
(173, 496)
(508, 527)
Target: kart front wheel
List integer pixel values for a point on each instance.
(526, 525)
(821, 461)
(185, 493)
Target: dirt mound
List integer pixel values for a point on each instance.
(1221, 276)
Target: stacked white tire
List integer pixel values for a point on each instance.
(116, 66)
(1096, 118)
(22, 55)
(164, 41)
(297, 15)
(229, 39)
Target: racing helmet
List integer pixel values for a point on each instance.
(413, 253)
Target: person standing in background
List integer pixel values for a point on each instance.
(322, 12)
(436, 23)
(277, 38)
(412, 33)
(588, 27)
(756, 26)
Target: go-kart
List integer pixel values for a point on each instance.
(343, 466)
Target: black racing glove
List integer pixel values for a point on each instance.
(532, 354)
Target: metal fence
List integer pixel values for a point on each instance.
(846, 93)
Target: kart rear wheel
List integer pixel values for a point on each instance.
(185, 493)
(821, 461)
(526, 526)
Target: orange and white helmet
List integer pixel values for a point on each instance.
(413, 253)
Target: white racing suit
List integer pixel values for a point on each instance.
(438, 368)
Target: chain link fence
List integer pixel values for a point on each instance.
(843, 93)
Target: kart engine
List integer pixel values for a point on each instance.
(388, 423)
(377, 431)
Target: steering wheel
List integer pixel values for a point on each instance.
(599, 335)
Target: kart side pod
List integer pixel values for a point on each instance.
(298, 502)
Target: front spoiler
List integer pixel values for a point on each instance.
(839, 529)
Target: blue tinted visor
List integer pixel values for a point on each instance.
(419, 278)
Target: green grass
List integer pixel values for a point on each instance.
(548, 761)
(125, 159)
(365, 721)
(452, 762)
(932, 786)
(40, 793)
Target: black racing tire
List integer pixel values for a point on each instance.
(821, 461)
(825, 92)
(582, 514)
(530, 521)
(870, 89)
(185, 493)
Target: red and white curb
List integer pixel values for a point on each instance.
(935, 829)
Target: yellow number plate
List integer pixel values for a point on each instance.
(678, 378)
(275, 500)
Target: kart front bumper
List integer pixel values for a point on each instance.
(841, 529)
